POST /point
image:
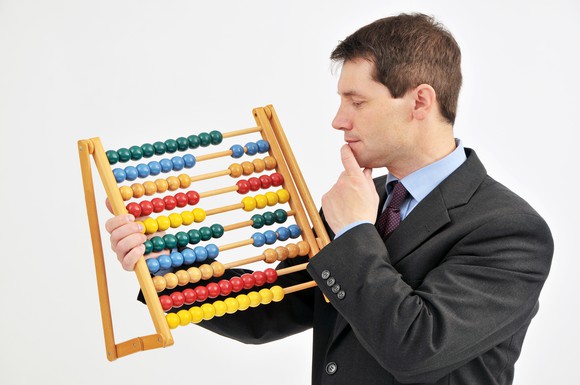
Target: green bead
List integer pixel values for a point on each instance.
(182, 143)
(113, 156)
(159, 148)
(148, 246)
(194, 236)
(124, 155)
(217, 230)
(136, 152)
(170, 241)
(280, 215)
(258, 221)
(170, 146)
(269, 218)
(148, 150)
(158, 243)
(204, 139)
(205, 233)
(182, 239)
(216, 137)
(193, 141)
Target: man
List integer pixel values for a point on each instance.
(443, 288)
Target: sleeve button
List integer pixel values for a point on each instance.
(341, 294)
(325, 274)
(330, 281)
(336, 288)
(331, 368)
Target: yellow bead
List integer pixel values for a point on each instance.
(184, 317)
(173, 183)
(172, 320)
(171, 280)
(277, 293)
(255, 298)
(150, 188)
(187, 218)
(218, 269)
(283, 195)
(182, 277)
(272, 198)
(194, 274)
(159, 283)
(261, 201)
(249, 203)
(270, 162)
(151, 225)
(175, 220)
(143, 229)
(196, 314)
(266, 295)
(220, 308)
(206, 271)
(163, 222)
(199, 215)
(138, 190)
(184, 180)
(232, 305)
(208, 311)
(236, 170)
(259, 165)
(248, 168)
(126, 192)
(243, 302)
(161, 185)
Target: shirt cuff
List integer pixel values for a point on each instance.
(348, 227)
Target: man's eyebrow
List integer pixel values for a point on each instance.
(349, 93)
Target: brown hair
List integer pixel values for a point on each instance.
(408, 50)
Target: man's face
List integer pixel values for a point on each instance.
(373, 122)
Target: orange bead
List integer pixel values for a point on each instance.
(282, 253)
(162, 185)
(173, 183)
(182, 277)
(159, 283)
(304, 248)
(259, 165)
(126, 192)
(248, 168)
(194, 274)
(171, 280)
(218, 269)
(138, 190)
(150, 188)
(206, 271)
(236, 170)
(270, 162)
(293, 250)
(270, 256)
(184, 180)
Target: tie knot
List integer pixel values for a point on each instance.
(399, 194)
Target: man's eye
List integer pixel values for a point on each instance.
(357, 103)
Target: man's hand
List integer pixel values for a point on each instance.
(353, 197)
(126, 239)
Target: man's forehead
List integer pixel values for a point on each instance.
(355, 76)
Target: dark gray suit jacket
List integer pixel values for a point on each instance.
(447, 299)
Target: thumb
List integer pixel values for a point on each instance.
(351, 166)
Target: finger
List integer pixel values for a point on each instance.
(132, 257)
(127, 244)
(118, 221)
(125, 231)
(349, 162)
(368, 173)
(109, 207)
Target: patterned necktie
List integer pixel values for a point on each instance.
(391, 216)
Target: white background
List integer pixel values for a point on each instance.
(136, 71)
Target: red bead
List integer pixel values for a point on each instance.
(201, 292)
(271, 275)
(254, 184)
(178, 298)
(170, 202)
(134, 209)
(181, 199)
(213, 290)
(158, 205)
(237, 284)
(146, 208)
(190, 296)
(225, 287)
(266, 181)
(243, 186)
(277, 179)
(193, 197)
(259, 277)
(166, 302)
(249, 281)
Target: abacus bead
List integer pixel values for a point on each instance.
(136, 152)
(294, 231)
(263, 146)
(254, 184)
(251, 148)
(170, 202)
(283, 233)
(249, 203)
(205, 233)
(293, 250)
(225, 287)
(259, 277)
(166, 302)
(124, 155)
(194, 236)
(304, 248)
(150, 188)
(182, 277)
(206, 271)
(193, 141)
(170, 146)
(182, 143)
(283, 196)
(259, 165)
(184, 180)
(170, 241)
(237, 284)
(243, 302)
(271, 275)
(201, 293)
(158, 205)
(161, 185)
(189, 295)
(269, 218)
(148, 246)
(178, 163)
(138, 190)
(248, 280)
(143, 170)
(153, 265)
(236, 170)
(146, 208)
(255, 298)
(173, 183)
(272, 198)
(237, 151)
(216, 137)
(175, 220)
(178, 299)
(277, 293)
(187, 218)
(193, 197)
(232, 305)
(196, 314)
(182, 239)
(217, 230)
(164, 261)
(261, 201)
(270, 256)
(180, 199)
(204, 139)
(270, 162)
(280, 216)
(220, 308)
(259, 239)
(243, 186)
(188, 255)
(126, 192)
(166, 165)
(265, 181)
(266, 295)
(208, 311)
(184, 317)
(282, 253)
(277, 179)
(148, 150)
(248, 168)
(119, 175)
(172, 320)
(159, 283)
(199, 215)
(163, 222)
(158, 244)
(218, 269)
(258, 221)
(112, 156)
(134, 209)
(188, 160)
(170, 280)
(194, 274)
(159, 148)
(154, 168)
(150, 224)
(213, 290)
(200, 253)
(270, 237)
(212, 251)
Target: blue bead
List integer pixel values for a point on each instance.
(237, 151)
(270, 236)
(143, 170)
(178, 163)
(154, 167)
(188, 256)
(153, 265)
(263, 146)
(176, 259)
(188, 160)
(166, 165)
(283, 233)
(294, 231)
(200, 253)
(164, 261)
(119, 175)
(251, 148)
(259, 239)
(212, 251)
(131, 173)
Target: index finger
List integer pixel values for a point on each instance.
(118, 221)
(351, 166)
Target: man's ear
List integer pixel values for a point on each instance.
(425, 101)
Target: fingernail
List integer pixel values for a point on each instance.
(140, 227)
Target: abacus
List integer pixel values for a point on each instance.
(169, 263)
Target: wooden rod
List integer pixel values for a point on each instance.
(224, 209)
(209, 175)
(241, 132)
(218, 191)
(300, 286)
(292, 269)
(246, 261)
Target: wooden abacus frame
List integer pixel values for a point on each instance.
(301, 203)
